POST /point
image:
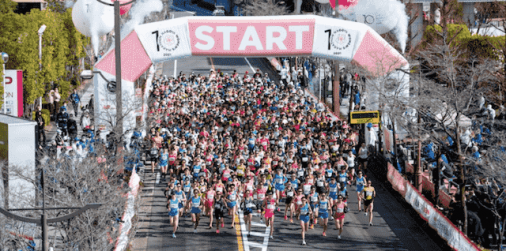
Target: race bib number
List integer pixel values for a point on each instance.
(232, 197)
(261, 196)
(289, 194)
(211, 196)
(186, 189)
(299, 202)
(250, 205)
(196, 204)
(271, 206)
(219, 189)
(340, 210)
(333, 189)
(305, 159)
(320, 183)
(174, 205)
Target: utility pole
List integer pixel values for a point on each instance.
(335, 84)
(117, 50)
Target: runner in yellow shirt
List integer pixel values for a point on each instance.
(369, 194)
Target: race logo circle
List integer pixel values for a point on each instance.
(341, 39)
(169, 40)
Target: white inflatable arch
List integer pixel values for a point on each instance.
(301, 35)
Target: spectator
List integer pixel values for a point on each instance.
(74, 98)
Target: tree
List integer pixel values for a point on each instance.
(7, 6)
(61, 48)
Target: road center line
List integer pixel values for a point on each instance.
(253, 69)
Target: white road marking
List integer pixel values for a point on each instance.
(253, 69)
(249, 244)
(157, 178)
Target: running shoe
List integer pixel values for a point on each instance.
(271, 237)
(291, 220)
(249, 234)
(303, 242)
(312, 226)
(261, 221)
(339, 237)
(279, 209)
(286, 218)
(173, 235)
(370, 223)
(324, 234)
(222, 225)
(217, 231)
(365, 214)
(331, 218)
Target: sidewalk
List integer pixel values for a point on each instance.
(85, 91)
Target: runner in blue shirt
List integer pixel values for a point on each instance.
(323, 212)
(196, 209)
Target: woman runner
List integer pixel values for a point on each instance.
(323, 208)
(174, 213)
(290, 193)
(360, 181)
(249, 206)
(219, 209)
(304, 212)
(269, 206)
(369, 194)
(196, 209)
(339, 215)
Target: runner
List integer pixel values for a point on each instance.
(219, 210)
(269, 206)
(259, 195)
(196, 209)
(313, 198)
(279, 184)
(339, 208)
(173, 205)
(248, 206)
(360, 181)
(323, 208)
(153, 153)
(369, 194)
(164, 157)
(304, 213)
(231, 200)
(290, 193)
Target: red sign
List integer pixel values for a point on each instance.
(398, 182)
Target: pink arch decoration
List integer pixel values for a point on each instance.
(302, 35)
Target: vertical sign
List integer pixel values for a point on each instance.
(14, 92)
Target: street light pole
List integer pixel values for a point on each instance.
(5, 58)
(335, 82)
(41, 31)
(43, 221)
(117, 53)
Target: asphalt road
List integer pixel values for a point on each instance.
(393, 229)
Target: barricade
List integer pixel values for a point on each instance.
(444, 227)
(124, 229)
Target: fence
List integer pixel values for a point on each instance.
(436, 220)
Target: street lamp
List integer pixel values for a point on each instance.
(5, 58)
(41, 31)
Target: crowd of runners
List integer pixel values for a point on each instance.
(227, 144)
